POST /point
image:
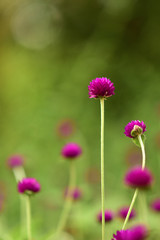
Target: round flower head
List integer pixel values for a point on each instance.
(155, 205)
(15, 161)
(122, 213)
(134, 128)
(28, 186)
(66, 128)
(101, 88)
(108, 216)
(138, 177)
(71, 150)
(122, 235)
(75, 194)
(139, 232)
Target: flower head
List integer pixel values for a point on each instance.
(71, 150)
(134, 128)
(75, 194)
(65, 128)
(28, 186)
(155, 205)
(122, 213)
(122, 235)
(101, 88)
(139, 232)
(15, 161)
(138, 177)
(108, 216)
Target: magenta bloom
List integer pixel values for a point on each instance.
(75, 194)
(71, 150)
(155, 205)
(28, 186)
(122, 213)
(122, 235)
(108, 216)
(15, 161)
(138, 177)
(134, 128)
(101, 88)
(139, 232)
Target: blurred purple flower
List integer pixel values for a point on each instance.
(28, 186)
(15, 161)
(138, 177)
(134, 128)
(76, 193)
(122, 235)
(139, 232)
(71, 150)
(155, 205)
(108, 216)
(122, 213)
(65, 128)
(101, 88)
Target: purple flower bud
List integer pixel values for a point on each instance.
(101, 88)
(122, 213)
(15, 161)
(75, 194)
(122, 235)
(108, 216)
(134, 128)
(28, 186)
(71, 150)
(155, 205)
(139, 232)
(138, 177)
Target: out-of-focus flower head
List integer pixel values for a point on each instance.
(108, 216)
(71, 151)
(138, 178)
(75, 193)
(101, 88)
(122, 213)
(134, 128)
(15, 161)
(155, 205)
(139, 232)
(65, 128)
(28, 186)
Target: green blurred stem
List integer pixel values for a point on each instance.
(28, 215)
(68, 202)
(102, 167)
(136, 191)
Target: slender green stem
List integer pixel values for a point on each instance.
(136, 191)
(130, 208)
(102, 167)
(28, 214)
(68, 203)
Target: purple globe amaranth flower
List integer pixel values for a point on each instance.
(134, 128)
(28, 186)
(71, 150)
(108, 216)
(66, 128)
(15, 161)
(155, 205)
(138, 177)
(75, 193)
(122, 235)
(101, 88)
(122, 213)
(139, 232)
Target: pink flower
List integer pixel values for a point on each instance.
(28, 186)
(71, 150)
(134, 128)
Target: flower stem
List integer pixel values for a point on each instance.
(28, 214)
(102, 167)
(136, 191)
(68, 202)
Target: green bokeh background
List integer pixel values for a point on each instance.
(41, 87)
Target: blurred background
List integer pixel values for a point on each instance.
(49, 52)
